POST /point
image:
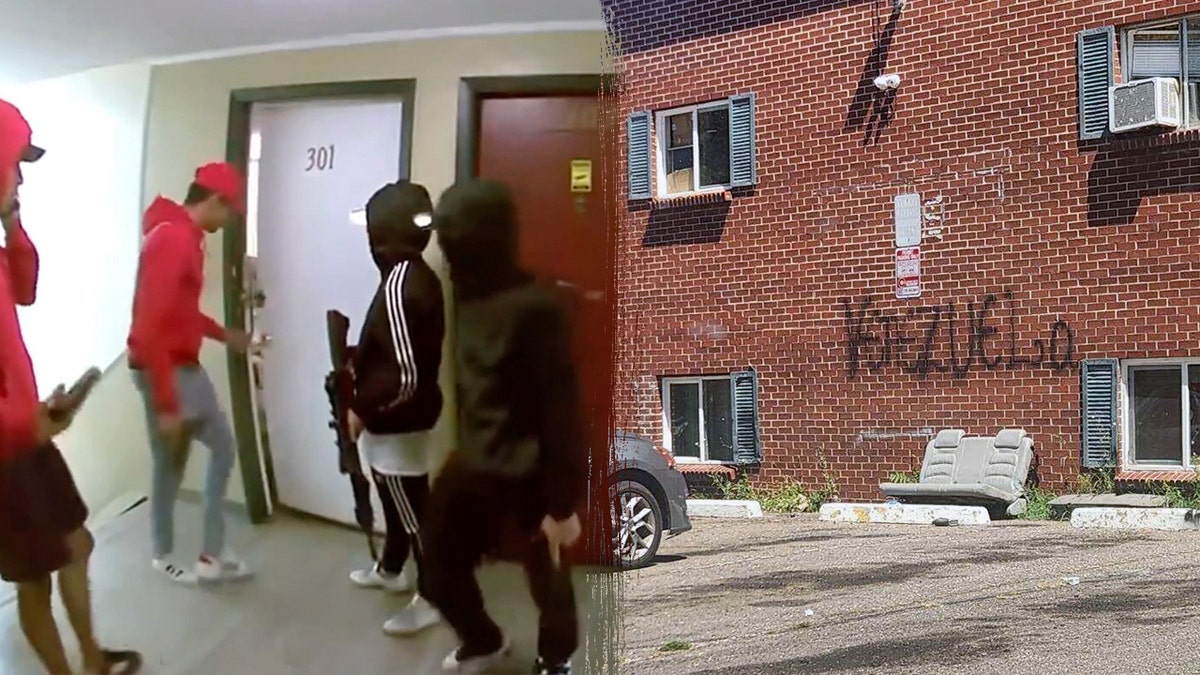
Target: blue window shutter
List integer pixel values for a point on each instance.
(1094, 53)
(1098, 387)
(747, 446)
(639, 155)
(742, 155)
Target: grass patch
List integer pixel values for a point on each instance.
(1037, 504)
(1096, 482)
(791, 497)
(675, 646)
(788, 498)
(1185, 496)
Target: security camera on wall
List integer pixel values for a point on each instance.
(885, 82)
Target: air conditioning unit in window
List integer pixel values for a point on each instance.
(1142, 104)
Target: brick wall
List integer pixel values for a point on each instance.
(1054, 250)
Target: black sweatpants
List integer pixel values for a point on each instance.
(403, 499)
(467, 512)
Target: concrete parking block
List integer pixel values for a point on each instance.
(724, 508)
(903, 514)
(1115, 518)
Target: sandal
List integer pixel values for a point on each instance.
(121, 662)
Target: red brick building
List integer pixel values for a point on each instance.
(768, 183)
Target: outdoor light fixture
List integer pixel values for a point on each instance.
(885, 82)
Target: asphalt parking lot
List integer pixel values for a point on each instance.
(792, 595)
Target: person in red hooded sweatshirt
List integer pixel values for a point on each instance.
(181, 404)
(41, 512)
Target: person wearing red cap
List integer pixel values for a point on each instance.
(41, 512)
(164, 354)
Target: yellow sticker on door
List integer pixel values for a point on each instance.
(581, 175)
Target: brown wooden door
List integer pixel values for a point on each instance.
(531, 143)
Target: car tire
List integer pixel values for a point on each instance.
(637, 525)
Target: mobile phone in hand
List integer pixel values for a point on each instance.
(77, 394)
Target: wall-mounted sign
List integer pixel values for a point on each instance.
(908, 220)
(908, 272)
(581, 175)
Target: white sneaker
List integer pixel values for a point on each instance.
(375, 578)
(476, 664)
(173, 572)
(229, 567)
(415, 618)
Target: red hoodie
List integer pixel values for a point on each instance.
(168, 326)
(18, 388)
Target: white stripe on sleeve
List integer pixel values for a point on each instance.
(401, 340)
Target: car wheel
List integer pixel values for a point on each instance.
(637, 525)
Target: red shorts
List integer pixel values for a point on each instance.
(39, 507)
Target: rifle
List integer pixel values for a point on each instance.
(339, 386)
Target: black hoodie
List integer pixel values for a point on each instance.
(399, 353)
(517, 392)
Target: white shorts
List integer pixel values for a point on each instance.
(397, 454)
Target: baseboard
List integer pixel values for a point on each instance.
(231, 507)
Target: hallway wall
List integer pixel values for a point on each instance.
(81, 206)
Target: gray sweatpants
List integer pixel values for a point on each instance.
(202, 413)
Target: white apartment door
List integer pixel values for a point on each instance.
(318, 162)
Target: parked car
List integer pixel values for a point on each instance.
(649, 504)
(650, 501)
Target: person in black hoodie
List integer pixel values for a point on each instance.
(520, 456)
(397, 399)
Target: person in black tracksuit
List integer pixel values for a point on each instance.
(520, 458)
(397, 398)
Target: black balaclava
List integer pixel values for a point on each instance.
(399, 217)
(476, 222)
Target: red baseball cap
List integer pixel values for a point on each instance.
(222, 179)
(16, 143)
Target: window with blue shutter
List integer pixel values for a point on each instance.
(747, 446)
(1094, 53)
(639, 156)
(1098, 387)
(742, 155)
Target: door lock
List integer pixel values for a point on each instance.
(255, 299)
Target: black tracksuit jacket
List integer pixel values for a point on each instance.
(399, 353)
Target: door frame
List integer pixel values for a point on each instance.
(473, 90)
(237, 151)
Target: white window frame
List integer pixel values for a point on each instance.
(662, 142)
(666, 416)
(1127, 59)
(1125, 400)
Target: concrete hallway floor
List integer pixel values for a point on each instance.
(298, 616)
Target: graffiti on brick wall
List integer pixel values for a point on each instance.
(987, 333)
